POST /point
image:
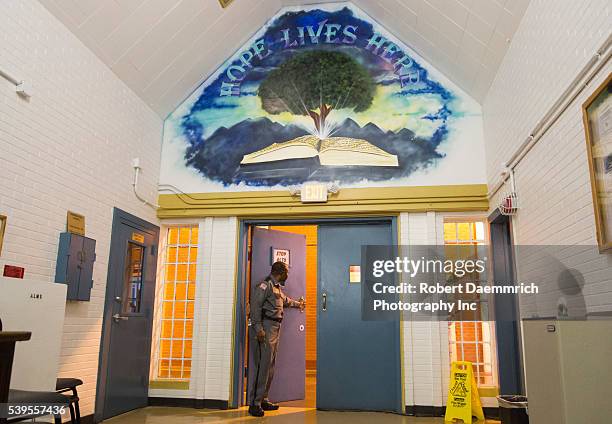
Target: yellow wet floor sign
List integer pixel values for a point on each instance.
(463, 399)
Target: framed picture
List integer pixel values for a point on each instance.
(2, 228)
(225, 3)
(597, 116)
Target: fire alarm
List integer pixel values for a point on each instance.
(508, 204)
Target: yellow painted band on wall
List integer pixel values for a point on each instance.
(488, 392)
(472, 197)
(169, 385)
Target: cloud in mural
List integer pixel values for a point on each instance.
(318, 94)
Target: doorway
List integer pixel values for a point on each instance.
(507, 321)
(335, 366)
(125, 351)
(295, 370)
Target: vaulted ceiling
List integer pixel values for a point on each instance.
(164, 49)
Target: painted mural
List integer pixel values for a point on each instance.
(323, 94)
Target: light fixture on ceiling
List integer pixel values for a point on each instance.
(225, 3)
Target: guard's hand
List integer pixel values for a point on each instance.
(261, 335)
(302, 305)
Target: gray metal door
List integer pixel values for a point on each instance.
(358, 362)
(290, 369)
(123, 378)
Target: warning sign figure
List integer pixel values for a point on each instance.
(459, 389)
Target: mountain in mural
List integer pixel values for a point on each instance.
(219, 156)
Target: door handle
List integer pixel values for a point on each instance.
(324, 302)
(118, 318)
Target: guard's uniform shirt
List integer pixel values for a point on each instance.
(268, 301)
(267, 304)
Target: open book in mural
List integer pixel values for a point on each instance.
(332, 151)
(322, 93)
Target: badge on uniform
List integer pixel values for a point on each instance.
(263, 286)
(276, 292)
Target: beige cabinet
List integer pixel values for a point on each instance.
(568, 367)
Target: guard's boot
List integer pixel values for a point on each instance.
(266, 405)
(256, 411)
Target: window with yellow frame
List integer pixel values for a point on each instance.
(471, 339)
(173, 359)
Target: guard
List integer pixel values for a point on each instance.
(267, 303)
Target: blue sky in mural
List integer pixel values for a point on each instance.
(408, 116)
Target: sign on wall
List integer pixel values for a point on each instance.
(313, 193)
(280, 255)
(75, 223)
(323, 94)
(354, 273)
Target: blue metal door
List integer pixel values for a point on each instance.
(290, 370)
(123, 374)
(358, 362)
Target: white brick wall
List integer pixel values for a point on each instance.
(422, 361)
(426, 354)
(68, 148)
(220, 246)
(553, 42)
(214, 311)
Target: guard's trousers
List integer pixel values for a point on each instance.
(264, 355)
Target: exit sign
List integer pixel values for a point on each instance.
(313, 193)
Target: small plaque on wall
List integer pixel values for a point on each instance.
(2, 228)
(75, 223)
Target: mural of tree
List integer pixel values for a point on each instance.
(316, 82)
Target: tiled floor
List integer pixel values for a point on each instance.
(162, 415)
(301, 411)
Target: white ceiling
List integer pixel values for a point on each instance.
(164, 49)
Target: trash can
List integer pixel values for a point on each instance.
(513, 409)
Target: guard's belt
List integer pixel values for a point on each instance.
(279, 320)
